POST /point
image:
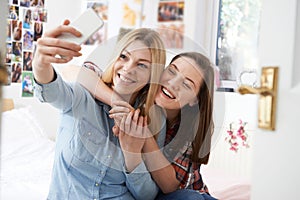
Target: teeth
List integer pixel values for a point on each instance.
(166, 92)
(125, 79)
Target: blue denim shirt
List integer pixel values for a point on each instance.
(89, 163)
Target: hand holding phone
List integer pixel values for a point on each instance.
(87, 23)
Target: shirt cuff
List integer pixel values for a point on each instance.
(137, 173)
(41, 89)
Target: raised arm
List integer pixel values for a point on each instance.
(160, 168)
(47, 49)
(90, 80)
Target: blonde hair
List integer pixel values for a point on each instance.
(152, 40)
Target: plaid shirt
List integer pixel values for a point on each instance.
(187, 172)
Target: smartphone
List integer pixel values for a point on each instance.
(87, 23)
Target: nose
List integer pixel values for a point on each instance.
(128, 66)
(175, 82)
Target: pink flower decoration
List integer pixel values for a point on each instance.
(235, 139)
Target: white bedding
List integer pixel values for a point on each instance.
(27, 157)
(224, 186)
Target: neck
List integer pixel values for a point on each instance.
(130, 98)
(172, 115)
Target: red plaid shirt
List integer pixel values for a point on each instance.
(187, 172)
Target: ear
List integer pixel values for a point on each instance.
(193, 102)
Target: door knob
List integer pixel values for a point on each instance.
(267, 98)
(264, 91)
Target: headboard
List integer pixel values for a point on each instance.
(7, 104)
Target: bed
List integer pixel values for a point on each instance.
(26, 155)
(27, 152)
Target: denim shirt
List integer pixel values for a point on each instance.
(89, 163)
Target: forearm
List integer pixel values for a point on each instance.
(160, 168)
(43, 74)
(132, 160)
(94, 84)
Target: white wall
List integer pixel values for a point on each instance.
(61, 10)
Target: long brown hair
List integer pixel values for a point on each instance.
(201, 124)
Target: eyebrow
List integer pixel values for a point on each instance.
(141, 59)
(185, 76)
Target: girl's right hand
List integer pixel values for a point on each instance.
(49, 46)
(119, 109)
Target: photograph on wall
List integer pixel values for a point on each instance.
(8, 31)
(171, 34)
(13, 12)
(28, 40)
(170, 11)
(27, 84)
(8, 53)
(27, 60)
(27, 18)
(16, 72)
(132, 14)
(16, 30)
(8, 68)
(37, 3)
(39, 14)
(17, 51)
(101, 8)
(25, 3)
(38, 30)
(13, 2)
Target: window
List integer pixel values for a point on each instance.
(237, 37)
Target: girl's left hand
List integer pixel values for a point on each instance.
(132, 137)
(118, 111)
(132, 132)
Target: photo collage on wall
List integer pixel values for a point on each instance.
(24, 27)
(127, 15)
(170, 16)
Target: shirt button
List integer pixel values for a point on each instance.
(96, 184)
(89, 133)
(108, 156)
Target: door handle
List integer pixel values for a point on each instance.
(267, 98)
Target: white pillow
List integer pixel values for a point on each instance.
(20, 123)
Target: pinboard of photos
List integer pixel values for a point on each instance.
(131, 14)
(25, 22)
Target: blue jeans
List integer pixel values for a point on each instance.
(184, 194)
